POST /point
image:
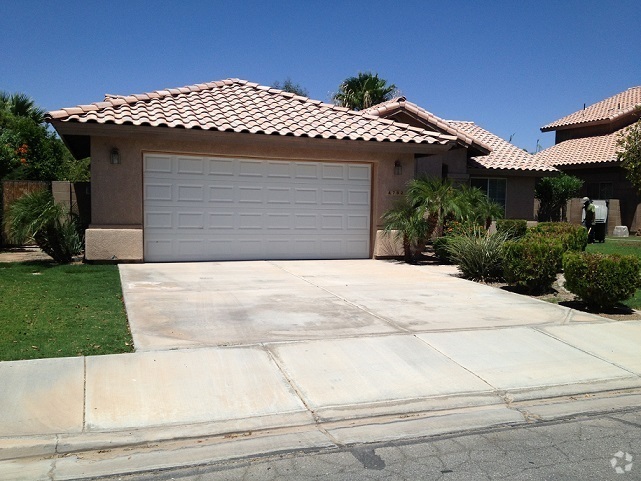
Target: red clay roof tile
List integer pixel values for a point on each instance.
(504, 155)
(240, 106)
(586, 150)
(618, 105)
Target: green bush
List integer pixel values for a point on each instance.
(531, 262)
(513, 228)
(451, 230)
(479, 256)
(574, 237)
(601, 280)
(56, 232)
(440, 249)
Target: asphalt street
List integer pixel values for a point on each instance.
(605, 447)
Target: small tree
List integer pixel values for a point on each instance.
(629, 153)
(289, 86)
(553, 194)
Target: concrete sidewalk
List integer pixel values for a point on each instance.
(223, 402)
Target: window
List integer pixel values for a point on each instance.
(600, 190)
(494, 189)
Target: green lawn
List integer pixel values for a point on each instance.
(49, 310)
(623, 246)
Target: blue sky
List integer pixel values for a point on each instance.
(509, 66)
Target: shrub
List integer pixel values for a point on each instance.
(440, 249)
(479, 256)
(37, 216)
(531, 262)
(601, 280)
(513, 228)
(574, 237)
(451, 230)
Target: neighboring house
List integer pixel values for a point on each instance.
(235, 170)
(586, 147)
(504, 172)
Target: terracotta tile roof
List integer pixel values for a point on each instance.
(504, 155)
(235, 105)
(386, 109)
(585, 150)
(618, 105)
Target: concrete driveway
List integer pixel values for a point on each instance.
(242, 303)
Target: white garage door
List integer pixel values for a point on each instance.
(206, 208)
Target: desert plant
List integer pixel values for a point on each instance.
(513, 228)
(601, 280)
(411, 226)
(476, 208)
(37, 216)
(479, 256)
(531, 262)
(438, 197)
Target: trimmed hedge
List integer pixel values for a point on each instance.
(513, 228)
(601, 280)
(531, 262)
(574, 237)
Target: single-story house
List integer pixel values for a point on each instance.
(586, 147)
(235, 170)
(506, 173)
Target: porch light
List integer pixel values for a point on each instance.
(114, 158)
(398, 168)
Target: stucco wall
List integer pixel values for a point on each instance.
(455, 161)
(117, 197)
(520, 198)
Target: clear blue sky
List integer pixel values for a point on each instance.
(510, 66)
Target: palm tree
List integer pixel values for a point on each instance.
(439, 197)
(21, 105)
(363, 91)
(411, 226)
(477, 208)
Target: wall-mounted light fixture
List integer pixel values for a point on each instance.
(398, 168)
(114, 157)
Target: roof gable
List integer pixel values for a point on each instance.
(608, 110)
(401, 104)
(598, 149)
(235, 105)
(504, 155)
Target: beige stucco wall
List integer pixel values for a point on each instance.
(455, 161)
(113, 244)
(117, 197)
(520, 198)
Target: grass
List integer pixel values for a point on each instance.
(50, 310)
(623, 246)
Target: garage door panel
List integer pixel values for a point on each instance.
(158, 163)
(221, 167)
(203, 208)
(190, 193)
(190, 165)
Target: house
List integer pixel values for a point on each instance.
(235, 170)
(586, 147)
(504, 172)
